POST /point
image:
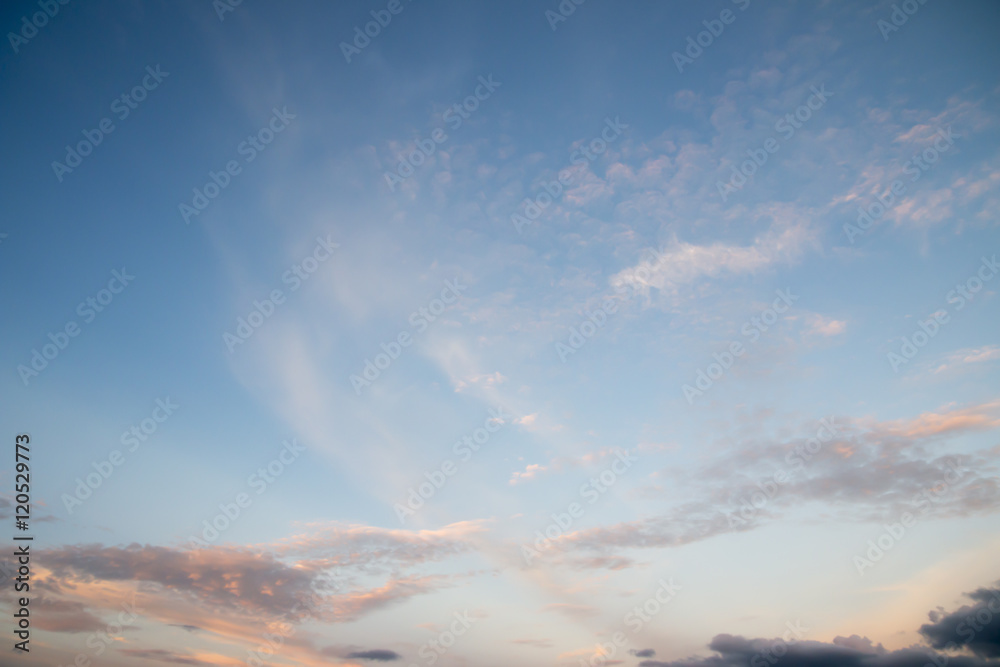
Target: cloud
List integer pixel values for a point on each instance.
(561, 463)
(966, 356)
(644, 653)
(572, 610)
(189, 628)
(912, 132)
(818, 325)
(221, 590)
(5, 511)
(735, 651)
(381, 655)
(240, 579)
(536, 643)
(531, 471)
(485, 381)
(683, 263)
(982, 417)
(64, 616)
(352, 607)
(976, 627)
(375, 549)
(869, 471)
(604, 563)
(161, 655)
(527, 420)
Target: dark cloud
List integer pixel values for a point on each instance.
(644, 653)
(604, 563)
(975, 626)
(734, 651)
(380, 654)
(189, 628)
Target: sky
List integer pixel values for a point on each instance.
(522, 333)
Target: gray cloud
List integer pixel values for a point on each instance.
(227, 577)
(975, 626)
(866, 472)
(381, 655)
(734, 651)
(189, 628)
(64, 616)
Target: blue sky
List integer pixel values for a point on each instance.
(626, 156)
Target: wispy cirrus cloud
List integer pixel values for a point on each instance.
(869, 471)
(966, 357)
